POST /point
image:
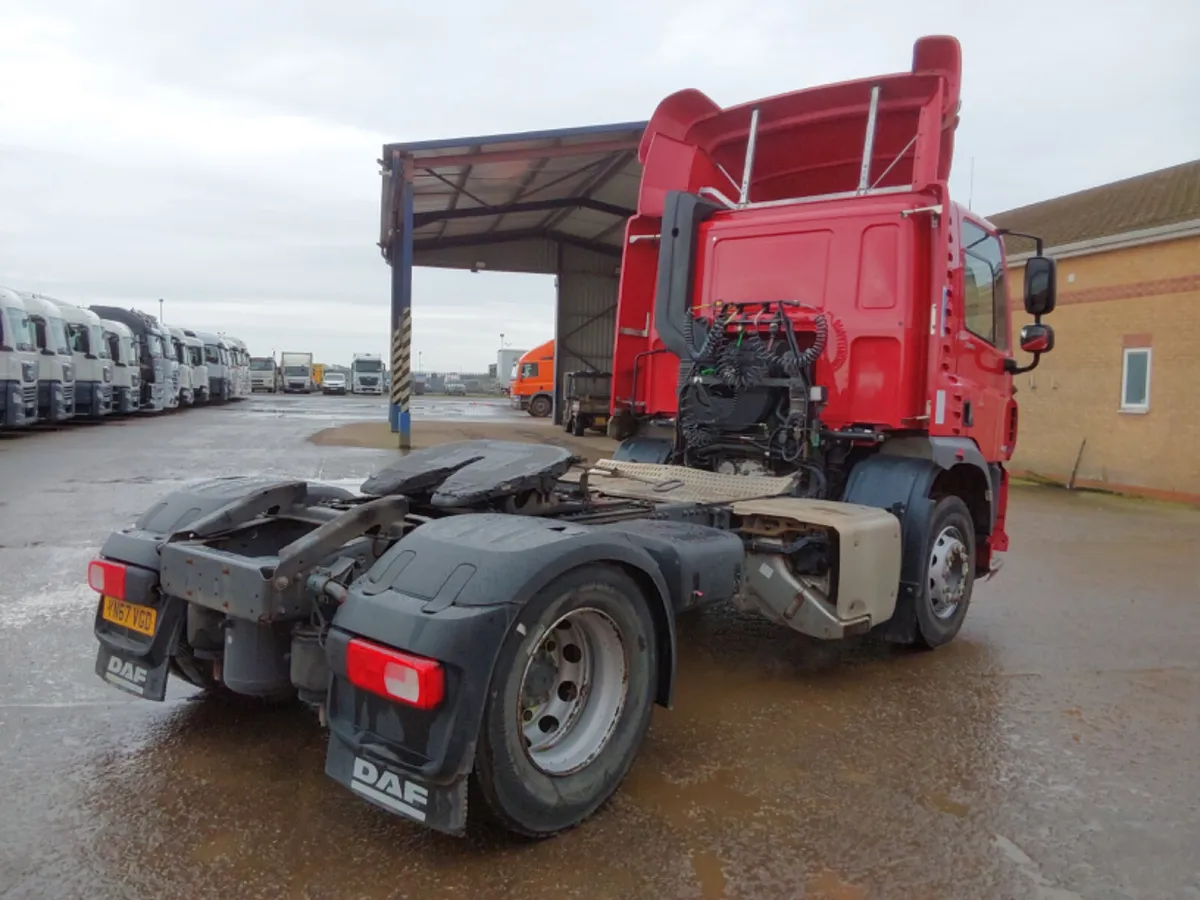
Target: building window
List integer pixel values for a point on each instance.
(985, 293)
(1135, 380)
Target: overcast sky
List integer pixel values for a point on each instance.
(221, 155)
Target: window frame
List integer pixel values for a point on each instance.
(1001, 338)
(1136, 408)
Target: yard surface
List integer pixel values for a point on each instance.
(1048, 753)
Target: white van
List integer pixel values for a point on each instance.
(93, 368)
(56, 366)
(127, 367)
(18, 363)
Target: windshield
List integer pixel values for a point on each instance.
(212, 354)
(97, 340)
(196, 355)
(262, 365)
(77, 337)
(368, 365)
(334, 376)
(19, 331)
(56, 332)
(299, 371)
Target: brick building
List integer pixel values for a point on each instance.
(1123, 382)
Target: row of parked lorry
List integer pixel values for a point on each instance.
(60, 361)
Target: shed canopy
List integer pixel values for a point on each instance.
(570, 186)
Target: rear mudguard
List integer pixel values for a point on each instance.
(451, 591)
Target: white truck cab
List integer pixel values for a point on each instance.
(18, 363)
(240, 361)
(56, 365)
(179, 349)
(194, 347)
(154, 368)
(216, 359)
(366, 374)
(127, 376)
(93, 368)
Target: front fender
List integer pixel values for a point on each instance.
(450, 591)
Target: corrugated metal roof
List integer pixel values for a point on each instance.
(1163, 197)
(578, 185)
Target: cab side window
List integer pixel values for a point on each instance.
(985, 291)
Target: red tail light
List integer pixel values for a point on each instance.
(412, 680)
(107, 578)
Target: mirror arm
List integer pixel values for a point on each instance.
(1011, 367)
(1038, 242)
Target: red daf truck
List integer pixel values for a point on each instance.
(815, 426)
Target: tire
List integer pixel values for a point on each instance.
(579, 426)
(948, 573)
(537, 791)
(568, 424)
(540, 406)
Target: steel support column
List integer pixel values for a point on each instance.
(402, 264)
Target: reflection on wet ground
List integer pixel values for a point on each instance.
(1048, 753)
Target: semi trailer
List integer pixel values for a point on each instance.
(816, 427)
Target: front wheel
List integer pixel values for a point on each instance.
(569, 702)
(539, 407)
(949, 573)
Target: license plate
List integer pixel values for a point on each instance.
(133, 616)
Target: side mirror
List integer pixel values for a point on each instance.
(1040, 286)
(1037, 338)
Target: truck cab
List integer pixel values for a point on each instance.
(18, 363)
(56, 366)
(264, 374)
(366, 374)
(532, 388)
(297, 372)
(216, 360)
(127, 379)
(93, 368)
(179, 352)
(195, 354)
(239, 361)
(155, 375)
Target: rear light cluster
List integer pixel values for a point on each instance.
(412, 680)
(107, 578)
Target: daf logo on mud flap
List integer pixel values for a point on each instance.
(126, 674)
(389, 789)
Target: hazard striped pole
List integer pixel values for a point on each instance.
(402, 263)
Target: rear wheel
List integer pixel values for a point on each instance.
(569, 702)
(949, 573)
(540, 406)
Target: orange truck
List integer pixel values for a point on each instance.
(533, 387)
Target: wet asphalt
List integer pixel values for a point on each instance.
(1049, 753)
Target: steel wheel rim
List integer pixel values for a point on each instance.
(948, 569)
(572, 691)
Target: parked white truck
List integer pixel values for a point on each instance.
(179, 351)
(264, 374)
(93, 368)
(56, 367)
(506, 367)
(127, 378)
(216, 359)
(297, 372)
(18, 363)
(195, 354)
(156, 374)
(366, 374)
(239, 359)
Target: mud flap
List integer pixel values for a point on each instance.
(136, 664)
(442, 807)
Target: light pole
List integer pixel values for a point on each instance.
(420, 368)
(161, 320)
